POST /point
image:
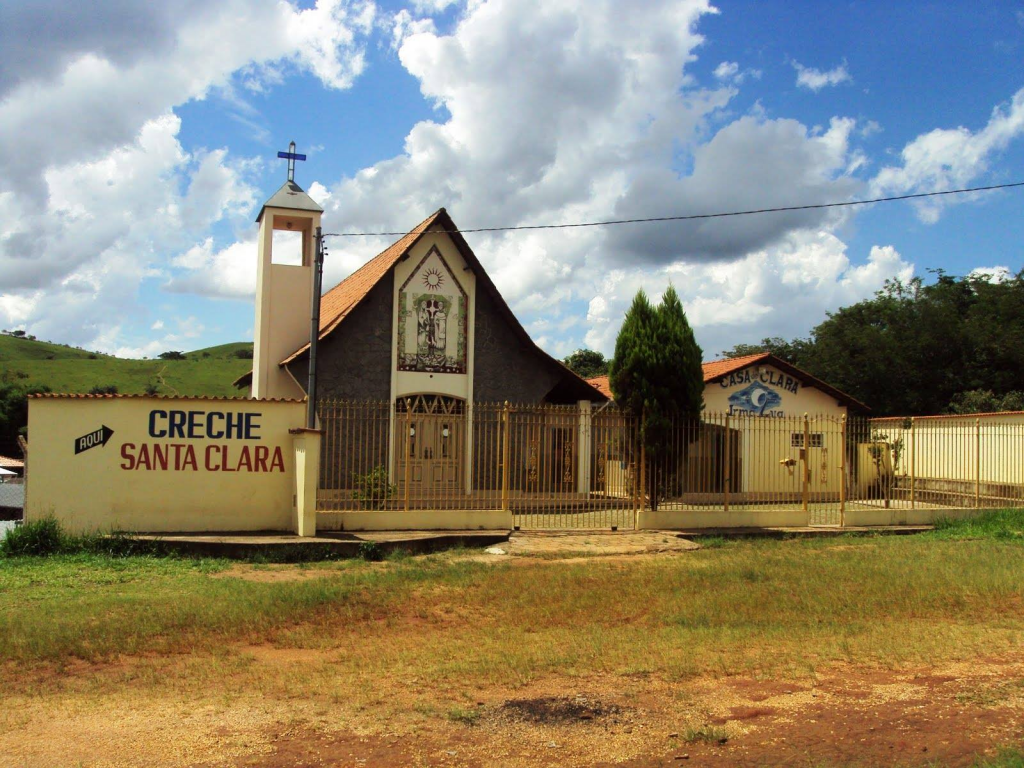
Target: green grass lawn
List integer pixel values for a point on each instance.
(423, 651)
(740, 607)
(209, 371)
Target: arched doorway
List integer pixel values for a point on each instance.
(430, 444)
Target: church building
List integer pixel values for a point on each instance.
(422, 340)
(422, 318)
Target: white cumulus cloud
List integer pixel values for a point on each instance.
(816, 79)
(96, 191)
(951, 158)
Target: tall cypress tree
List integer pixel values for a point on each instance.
(681, 356)
(656, 374)
(630, 376)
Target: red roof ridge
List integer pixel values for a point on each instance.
(950, 416)
(119, 396)
(716, 369)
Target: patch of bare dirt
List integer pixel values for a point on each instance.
(558, 709)
(273, 574)
(946, 715)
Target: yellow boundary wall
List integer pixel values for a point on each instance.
(159, 464)
(416, 520)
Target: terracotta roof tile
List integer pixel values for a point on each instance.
(985, 415)
(7, 461)
(600, 383)
(336, 304)
(718, 368)
(73, 396)
(712, 370)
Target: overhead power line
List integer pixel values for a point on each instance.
(693, 216)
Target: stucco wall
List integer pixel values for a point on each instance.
(505, 369)
(110, 486)
(354, 361)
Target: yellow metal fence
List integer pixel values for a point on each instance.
(585, 466)
(947, 461)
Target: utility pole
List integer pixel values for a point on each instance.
(319, 251)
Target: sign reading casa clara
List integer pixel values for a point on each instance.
(236, 448)
(758, 393)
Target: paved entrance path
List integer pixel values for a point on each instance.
(540, 543)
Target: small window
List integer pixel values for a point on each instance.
(796, 439)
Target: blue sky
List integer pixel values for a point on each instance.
(137, 143)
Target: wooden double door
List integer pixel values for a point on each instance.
(430, 444)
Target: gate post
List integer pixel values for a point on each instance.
(806, 455)
(842, 474)
(913, 463)
(306, 447)
(585, 448)
(504, 457)
(977, 463)
(408, 441)
(728, 463)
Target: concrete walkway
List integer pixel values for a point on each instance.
(591, 543)
(287, 547)
(812, 531)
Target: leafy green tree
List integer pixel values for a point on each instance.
(172, 355)
(14, 414)
(986, 401)
(790, 351)
(913, 347)
(587, 363)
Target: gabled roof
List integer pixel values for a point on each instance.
(717, 369)
(339, 302)
(290, 195)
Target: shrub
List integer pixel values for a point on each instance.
(109, 389)
(371, 550)
(373, 488)
(39, 537)
(44, 537)
(244, 354)
(172, 355)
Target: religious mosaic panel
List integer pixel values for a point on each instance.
(432, 319)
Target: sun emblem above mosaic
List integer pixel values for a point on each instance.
(432, 324)
(433, 279)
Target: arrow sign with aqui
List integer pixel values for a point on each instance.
(97, 437)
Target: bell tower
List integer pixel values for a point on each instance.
(284, 291)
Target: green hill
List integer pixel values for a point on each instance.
(209, 371)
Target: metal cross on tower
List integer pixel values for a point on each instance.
(291, 156)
